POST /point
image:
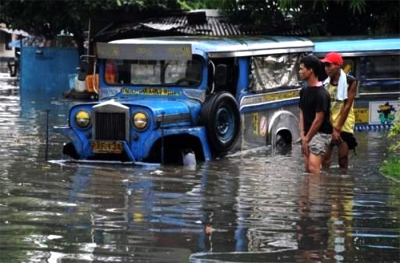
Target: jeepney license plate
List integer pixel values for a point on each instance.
(106, 147)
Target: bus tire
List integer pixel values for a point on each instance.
(221, 118)
(280, 141)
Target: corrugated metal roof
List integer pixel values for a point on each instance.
(201, 22)
(213, 27)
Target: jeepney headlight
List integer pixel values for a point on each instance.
(140, 120)
(82, 119)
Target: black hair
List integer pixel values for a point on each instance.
(312, 62)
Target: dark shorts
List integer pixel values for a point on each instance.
(349, 139)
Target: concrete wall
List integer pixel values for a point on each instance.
(46, 70)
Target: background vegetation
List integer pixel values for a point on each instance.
(391, 167)
(306, 17)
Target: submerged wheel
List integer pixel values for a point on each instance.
(221, 118)
(283, 141)
(280, 141)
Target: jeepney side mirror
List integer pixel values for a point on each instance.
(221, 75)
(83, 70)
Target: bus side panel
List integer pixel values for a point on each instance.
(378, 93)
(261, 123)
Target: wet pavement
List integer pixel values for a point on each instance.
(256, 206)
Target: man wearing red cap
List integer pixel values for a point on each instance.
(342, 90)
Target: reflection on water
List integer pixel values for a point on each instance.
(259, 205)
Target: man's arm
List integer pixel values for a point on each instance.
(351, 95)
(301, 124)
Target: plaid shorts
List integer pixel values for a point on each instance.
(319, 143)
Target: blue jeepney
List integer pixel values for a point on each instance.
(164, 97)
(375, 62)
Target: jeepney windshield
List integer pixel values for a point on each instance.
(183, 73)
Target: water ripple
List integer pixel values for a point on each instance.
(257, 206)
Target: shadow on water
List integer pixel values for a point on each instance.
(252, 207)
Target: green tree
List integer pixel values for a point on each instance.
(318, 17)
(391, 167)
(48, 18)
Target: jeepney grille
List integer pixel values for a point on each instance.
(110, 126)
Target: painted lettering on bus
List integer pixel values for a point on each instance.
(179, 51)
(143, 50)
(151, 91)
(108, 51)
(361, 115)
(269, 97)
(281, 95)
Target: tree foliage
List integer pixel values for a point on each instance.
(315, 17)
(394, 134)
(49, 18)
(318, 17)
(391, 166)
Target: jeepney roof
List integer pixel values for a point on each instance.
(357, 47)
(238, 46)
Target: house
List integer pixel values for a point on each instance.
(9, 49)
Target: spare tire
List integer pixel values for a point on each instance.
(221, 118)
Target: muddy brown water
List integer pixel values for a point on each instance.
(256, 206)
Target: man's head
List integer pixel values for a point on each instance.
(310, 66)
(332, 63)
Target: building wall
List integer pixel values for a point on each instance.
(46, 70)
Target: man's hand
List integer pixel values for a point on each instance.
(304, 146)
(336, 139)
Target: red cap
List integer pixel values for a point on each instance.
(333, 58)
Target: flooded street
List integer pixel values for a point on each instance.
(252, 207)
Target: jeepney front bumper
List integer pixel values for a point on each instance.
(82, 148)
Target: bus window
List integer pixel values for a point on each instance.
(274, 71)
(145, 72)
(175, 70)
(111, 72)
(381, 74)
(349, 67)
(184, 73)
(232, 74)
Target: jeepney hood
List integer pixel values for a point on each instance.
(166, 106)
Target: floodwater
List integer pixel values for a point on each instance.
(253, 207)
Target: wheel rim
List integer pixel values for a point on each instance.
(224, 124)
